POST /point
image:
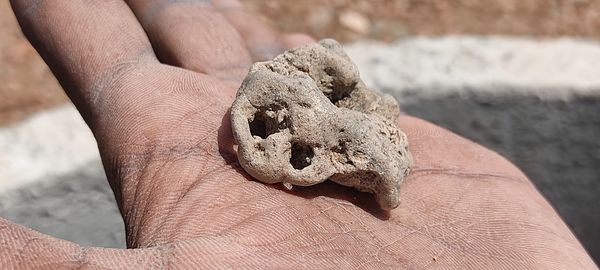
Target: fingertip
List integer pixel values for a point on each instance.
(296, 40)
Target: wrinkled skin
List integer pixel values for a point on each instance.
(155, 84)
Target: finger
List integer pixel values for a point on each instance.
(296, 40)
(89, 45)
(262, 42)
(192, 35)
(23, 248)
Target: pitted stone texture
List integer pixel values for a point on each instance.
(335, 75)
(306, 117)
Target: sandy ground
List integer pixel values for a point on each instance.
(390, 19)
(28, 86)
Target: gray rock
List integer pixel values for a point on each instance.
(306, 117)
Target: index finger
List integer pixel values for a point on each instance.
(88, 45)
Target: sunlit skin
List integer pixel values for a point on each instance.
(154, 81)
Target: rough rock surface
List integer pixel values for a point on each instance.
(306, 117)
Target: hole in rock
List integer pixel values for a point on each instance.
(330, 71)
(339, 93)
(265, 123)
(339, 90)
(258, 126)
(302, 155)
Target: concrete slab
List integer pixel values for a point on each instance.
(47, 145)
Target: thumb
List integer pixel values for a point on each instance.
(23, 248)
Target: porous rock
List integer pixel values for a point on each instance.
(305, 117)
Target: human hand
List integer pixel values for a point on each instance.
(155, 84)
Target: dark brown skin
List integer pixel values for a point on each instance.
(154, 80)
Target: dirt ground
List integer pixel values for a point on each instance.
(28, 86)
(390, 19)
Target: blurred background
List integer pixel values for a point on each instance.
(519, 76)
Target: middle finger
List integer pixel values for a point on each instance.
(193, 35)
(262, 42)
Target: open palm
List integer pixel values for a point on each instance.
(154, 81)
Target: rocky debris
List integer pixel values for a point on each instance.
(355, 22)
(306, 117)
